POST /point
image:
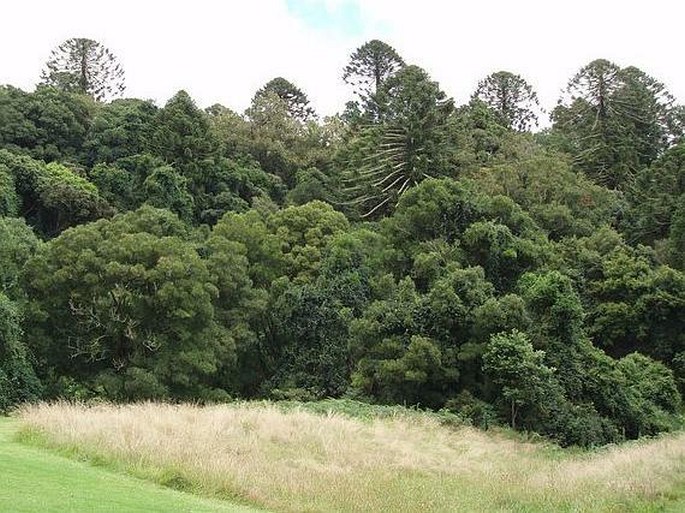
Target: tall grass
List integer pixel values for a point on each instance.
(294, 460)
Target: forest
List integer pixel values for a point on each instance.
(406, 251)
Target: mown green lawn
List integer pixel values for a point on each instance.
(36, 481)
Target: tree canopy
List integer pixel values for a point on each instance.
(405, 251)
(511, 97)
(81, 65)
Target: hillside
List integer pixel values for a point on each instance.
(34, 480)
(286, 458)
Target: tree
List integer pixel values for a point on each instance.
(409, 144)
(653, 198)
(518, 371)
(511, 97)
(295, 100)
(53, 196)
(120, 129)
(47, 124)
(560, 200)
(9, 201)
(616, 121)
(304, 231)
(125, 307)
(677, 235)
(85, 66)
(165, 188)
(18, 382)
(370, 66)
(17, 244)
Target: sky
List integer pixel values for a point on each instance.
(222, 51)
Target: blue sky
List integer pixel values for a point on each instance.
(342, 18)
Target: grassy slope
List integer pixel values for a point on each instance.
(35, 481)
(296, 461)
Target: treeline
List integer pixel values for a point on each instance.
(407, 251)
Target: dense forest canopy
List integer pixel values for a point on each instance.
(407, 250)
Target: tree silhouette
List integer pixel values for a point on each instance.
(511, 97)
(295, 100)
(85, 66)
(370, 65)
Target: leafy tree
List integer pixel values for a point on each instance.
(18, 243)
(279, 140)
(53, 197)
(310, 184)
(185, 139)
(410, 143)
(617, 121)
(560, 200)
(85, 66)
(304, 231)
(264, 249)
(9, 201)
(182, 136)
(677, 236)
(511, 97)
(165, 188)
(310, 325)
(370, 66)
(519, 372)
(479, 137)
(653, 198)
(503, 255)
(296, 101)
(119, 129)
(652, 392)
(126, 308)
(393, 362)
(47, 124)
(18, 382)
(637, 306)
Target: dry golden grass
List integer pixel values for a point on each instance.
(299, 461)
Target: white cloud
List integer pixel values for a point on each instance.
(224, 51)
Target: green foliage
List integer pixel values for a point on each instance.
(370, 66)
(501, 268)
(9, 201)
(278, 137)
(85, 66)
(264, 249)
(637, 306)
(677, 236)
(511, 97)
(48, 124)
(128, 299)
(519, 371)
(436, 209)
(653, 394)
(53, 196)
(295, 100)
(561, 201)
(165, 188)
(182, 135)
(616, 121)
(653, 198)
(303, 232)
(410, 141)
(17, 244)
(18, 382)
(503, 255)
(120, 129)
